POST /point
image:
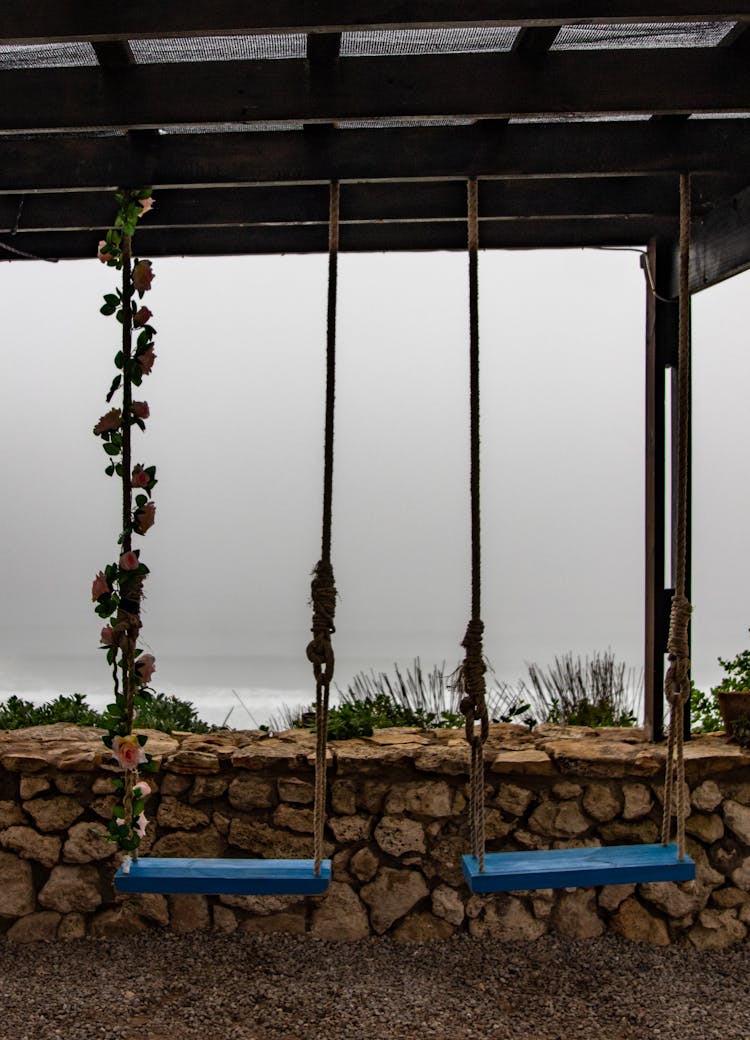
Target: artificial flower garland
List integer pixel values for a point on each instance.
(117, 591)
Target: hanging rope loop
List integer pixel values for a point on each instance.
(473, 669)
(323, 598)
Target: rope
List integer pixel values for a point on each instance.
(471, 673)
(323, 588)
(677, 679)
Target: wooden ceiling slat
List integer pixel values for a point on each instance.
(481, 85)
(63, 20)
(515, 151)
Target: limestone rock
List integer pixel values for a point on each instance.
(542, 901)
(372, 795)
(741, 876)
(178, 816)
(447, 904)
(725, 898)
(563, 820)
(252, 792)
(716, 930)
(706, 757)
(17, 895)
(225, 920)
(11, 815)
(575, 915)
(200, 844)
(72, 889)
(398, 834)
(349, 829)
(188, 913)
(506, 917)
(567, 790)
(528, 762)
(726, 855)
(638, 801)
(221, 823)
(612, 896)
(287, 924)
(340, 866)
(266, 756)
(740, 792)
(77, 785)
(194, 763)
(71, 927)
(421, 927)
(640, 832)
(633, 921)
(343, 797)
(262, 905)
(430, 798)
(513, 799)
(33, 785)
(364, 864)
(737, 819)
(707, 827)
(495, 825)
(392, 895)
(707, 796)
(340, 915)
(151, 905)
(87, 842)
(260, 839)
(297, 792)
(668, 897)
(206, 787)
(103, 806)
(174, 785)
(451, 759)
(38, 749)
(300, 820)
(34, 927)
(30, 845)
(53, 814)
(112, 923)
(602, 801)
(607, 758)
(446, 856)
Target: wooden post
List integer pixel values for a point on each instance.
(661, 353)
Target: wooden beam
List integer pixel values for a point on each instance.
(666, 82)
(637, 197)
(371, 237)
(720, 244)
(71, 163)
(59, 20)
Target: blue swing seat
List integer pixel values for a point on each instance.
(246, 877)
(576, 868)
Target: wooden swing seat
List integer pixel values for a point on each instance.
(246, 877)
(577, 868)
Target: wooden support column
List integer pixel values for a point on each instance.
(661, 353)
(662, 342)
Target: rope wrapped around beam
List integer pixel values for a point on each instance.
(471, 673)
(323, 588)
(677, 679)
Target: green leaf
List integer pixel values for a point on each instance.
(115, 386)
(110, 469)
(112, 449)
(142, 738)
(141, 500)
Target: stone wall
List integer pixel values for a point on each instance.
(396, 831)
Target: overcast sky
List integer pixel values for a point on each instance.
(236, 398)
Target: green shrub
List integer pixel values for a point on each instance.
(168, 713)
(705, 716)
(598, 691)
(160, 712)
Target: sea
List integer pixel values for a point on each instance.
(243, 692)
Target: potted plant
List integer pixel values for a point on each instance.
(733, 695)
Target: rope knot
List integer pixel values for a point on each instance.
(323, 600)
(470, 681)
(677, 679)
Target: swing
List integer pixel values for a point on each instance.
(579, 867)
(304, 877)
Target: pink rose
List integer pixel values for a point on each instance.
(145, 667)
(140, 409)
(102, 255)
(110, 421)
(146, 360)
(128, 562)
(145, 517)
(141, 789)
(128, 751)
(139, 478)
(141, 316)
(143, 276)
(146, 205)
(107, 636)
(100, 587)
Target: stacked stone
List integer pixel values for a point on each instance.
(396, 832)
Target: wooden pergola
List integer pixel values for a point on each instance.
(577, 116)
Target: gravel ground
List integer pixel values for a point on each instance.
(274, 987)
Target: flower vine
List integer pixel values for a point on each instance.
(117, 590)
